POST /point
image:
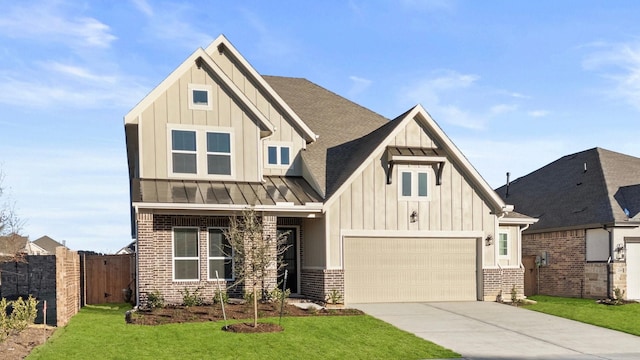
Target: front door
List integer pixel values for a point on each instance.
(290, 258)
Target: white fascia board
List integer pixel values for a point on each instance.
(412, 234)
(310, 136)
(517, 221)
(228, 207)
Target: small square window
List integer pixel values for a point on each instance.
(278, 155)
(200, 97)
(413, 185)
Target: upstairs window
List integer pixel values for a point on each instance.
(413, 185)
(220, 255)
(218, 153)
(200, 151)
(200, 97)
(278, 155)
(184, 152)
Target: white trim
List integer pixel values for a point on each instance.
(414, 171)
(213, 47)
(202, 171)
(518, 221)
(132, 116)
(173, 257)
(200, 87)
(411, 233)
(279, 145)
(209, 258)
(268, 208)
(418, 113)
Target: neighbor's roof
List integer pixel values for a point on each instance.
(48, 244)
(12, 244)
(585, 189)
(347, 131)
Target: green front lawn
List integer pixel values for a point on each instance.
(624, 318)
(100, 332)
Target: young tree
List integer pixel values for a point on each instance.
(256, 255)
(10, 224)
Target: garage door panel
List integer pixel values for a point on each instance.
(409, 269)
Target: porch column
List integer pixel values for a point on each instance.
(269, 230)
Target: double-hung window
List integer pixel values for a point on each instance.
(200, 151)
(413, 184)
(278, 155)
(184, 151)
(218, 153)
(186, 261)
(220, 255)
(503, 244)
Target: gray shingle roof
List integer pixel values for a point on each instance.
(48, 244)
(563, 195)
(347, 131)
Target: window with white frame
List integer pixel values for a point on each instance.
(200, 151)
(186, 260)
(220, 255)
(413, 184)
(278, 155)
(503, 244)
(200, 97)
(184, 152)
(218, 153)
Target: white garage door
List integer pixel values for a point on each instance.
(409, 269)
(633, 270)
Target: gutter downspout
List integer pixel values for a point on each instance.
(609, 273)
(137, 261)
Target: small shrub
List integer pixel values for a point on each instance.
(24, 313)
(334, 297)
(191, 298)
(276, 296)
(248, 298)
(514, 295)
(618, 296)
(217, 294)
(155, 299)
(4, 319)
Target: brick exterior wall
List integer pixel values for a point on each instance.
(499, 282)
(317, 283)
(565, 273)
(155, 256)
(68, 284)
(619, 277)
(51, 278)
(595, 280)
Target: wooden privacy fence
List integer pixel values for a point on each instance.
(107, 278)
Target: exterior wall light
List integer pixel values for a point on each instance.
(488, 240)
(413, 217)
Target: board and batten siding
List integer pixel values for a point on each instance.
(369, 203)
(172, 107)
(285, 132)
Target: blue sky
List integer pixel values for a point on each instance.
(514, 84)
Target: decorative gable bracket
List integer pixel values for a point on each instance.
(414, 156)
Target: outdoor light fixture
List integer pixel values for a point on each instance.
(489, 240)
(619, 250)
(413, 217)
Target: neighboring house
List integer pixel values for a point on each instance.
(588, 238)
(377, 209)
(48, 244)
(129, 249)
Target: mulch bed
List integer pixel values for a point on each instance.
(181, 314)
(19, 345)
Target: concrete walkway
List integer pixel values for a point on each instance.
(488, 330)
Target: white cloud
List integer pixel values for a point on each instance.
(619, 64)
(538, 113)
(502, 109)
(79, 72)
(359, 85)
(46, 21)
(144, 7)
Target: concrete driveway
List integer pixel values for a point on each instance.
(488, 330)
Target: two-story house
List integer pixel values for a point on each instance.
(377, 209)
